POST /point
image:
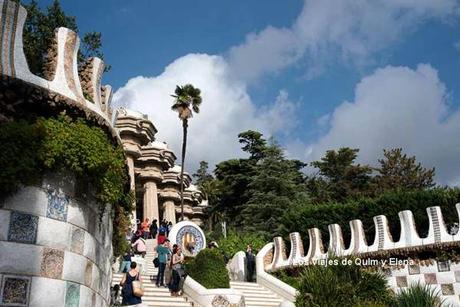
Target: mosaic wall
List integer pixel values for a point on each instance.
(442, 276)
(53, 250)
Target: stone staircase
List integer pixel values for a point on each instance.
(153, 296)
(256, 295)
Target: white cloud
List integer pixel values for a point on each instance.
(398, 107)
(331, 30)
(227, 109)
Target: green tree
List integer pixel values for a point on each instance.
(272, 189)
(202, 175)
(339, 178)
(39, 34)
(187, 100)
(398, 171)
(253, 143)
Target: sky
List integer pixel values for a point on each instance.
(314, 74)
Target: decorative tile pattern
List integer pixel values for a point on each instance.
(23, 228)
(430, 278)
(57, 206)
(78, 240)
(15, 291)
(443, 266)
(52, 263)
(414, 269)
(88, 273)
(401, 281)
(447, 289)
(72, 295)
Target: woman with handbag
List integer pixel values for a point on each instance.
(177, 260)
(132, 287)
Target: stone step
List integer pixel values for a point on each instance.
(249, 299)
(252, 291)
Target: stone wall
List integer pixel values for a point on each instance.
(54, 248)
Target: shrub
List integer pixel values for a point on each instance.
(208, 268)
(341, 285)
(238, 241)
(418, 296)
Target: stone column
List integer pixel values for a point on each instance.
(151, 201)
(169, 212)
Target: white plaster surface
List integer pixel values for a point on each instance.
(78, 214)
(89, 249)
(4, 224)
(53, 233)
(17, 258)
(29, 200)
(46, 292)
(74, 267)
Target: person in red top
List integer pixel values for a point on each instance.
(145, 226)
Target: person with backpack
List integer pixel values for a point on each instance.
(126, 262)
(161, 234)
(162, 255)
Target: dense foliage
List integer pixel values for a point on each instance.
(419, 295)
(388, 204)
(64, 145)
(39, 34)
(271, 194)
(238, 241)
(208, 269)
(341, 285)
(354, 286)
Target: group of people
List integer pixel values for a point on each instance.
(150, 230)
(170, 267)
(147, 230)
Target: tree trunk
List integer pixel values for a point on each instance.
(184, 144)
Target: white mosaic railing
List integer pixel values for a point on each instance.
(63, 71)
(383, 241)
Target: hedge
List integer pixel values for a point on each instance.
(208, 269)
(302, 217)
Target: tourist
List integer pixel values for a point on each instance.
(145, 226)
(162, 253)
(126, 262)
(114, 295)
(127, 283)
(140, 247)
(168, 228)
(250, 263)
(168, 270)
(177, 261)
(153, 229)
(161, 234)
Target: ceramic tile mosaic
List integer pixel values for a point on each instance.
(414, 269)
(15, 291)
(447, 289)
(52, 263)
(72, 295)
(401, 281)
(23, 228)
(430, 278)
(78, 240)
(88, 273)
(57, 206)
(443, 266)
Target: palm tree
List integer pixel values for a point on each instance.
(187, 100)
